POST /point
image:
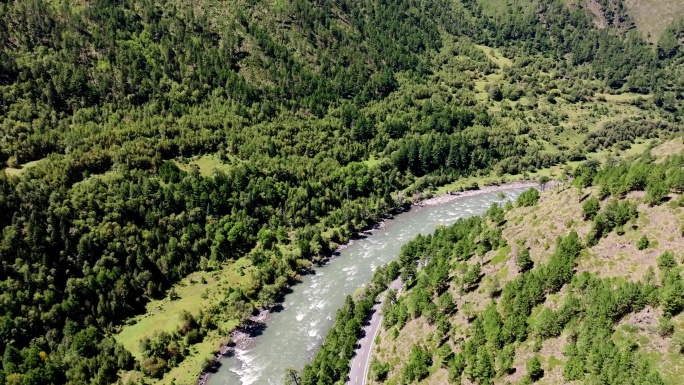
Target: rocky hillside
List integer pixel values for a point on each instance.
(583, 285)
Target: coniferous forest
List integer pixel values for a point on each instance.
(319, 117)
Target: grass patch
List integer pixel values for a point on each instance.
(503, 272)
(206, 164)
(189, 370)
(501, 255)
(20, 170)
(164, 314)
(627, 97)
(371, 162)
(495, 56)
(554, 362)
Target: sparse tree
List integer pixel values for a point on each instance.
(292, 377)
(543, 181)
(523, 260)
(534, 368)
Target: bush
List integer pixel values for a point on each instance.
(534, 369)
(154, 367)
(665, 327)
(678, 343)
(656, 191)
(379, 370)
(506, 358)
(666, 261)
(672, 297)
(523, 260)
(528, 198)
(495, 93)
(590, 208)
(418, 366)
(547, 324)
(643, 243)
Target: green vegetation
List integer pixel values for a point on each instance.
(144, 141)
(528, 198)
(534, 369)
(333, 358)
(418, 366)
(549, 305)
(379, 370)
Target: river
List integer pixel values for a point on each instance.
(292, 335)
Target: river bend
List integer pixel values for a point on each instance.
(292, 335)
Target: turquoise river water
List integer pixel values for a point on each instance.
(292, 335)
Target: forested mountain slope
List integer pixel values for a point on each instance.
(579, 285)
(307, 121)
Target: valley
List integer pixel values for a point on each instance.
(169, 169)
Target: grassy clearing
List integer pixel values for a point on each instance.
(163, 315)
(495, 56)
(627, 97)
(206, 164)
(554, 172)
(18, 171)
(372, 161)
(189, 370)
(501, 255)
(495, 8)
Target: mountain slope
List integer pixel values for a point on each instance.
(598, 297)
(158, 143)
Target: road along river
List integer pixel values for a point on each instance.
(292, 335)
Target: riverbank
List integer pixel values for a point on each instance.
(456, 195)
(243, 337)
(310, 314)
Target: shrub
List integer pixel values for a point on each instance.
(379, 370)
(665, 327)
(495, 93)
(528, 198)
(418, 366)
(678, 343)
(643, 243)
(590, 208)
(666, 261)
(656, 191)
(534, 369)
(154, 367)
(523, 260)
(506, 358)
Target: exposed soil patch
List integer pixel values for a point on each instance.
(597, 10)
(556, 214)
(646, 319)
(618, 256)
(396, 352)
(674, 146)
(642, 326)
